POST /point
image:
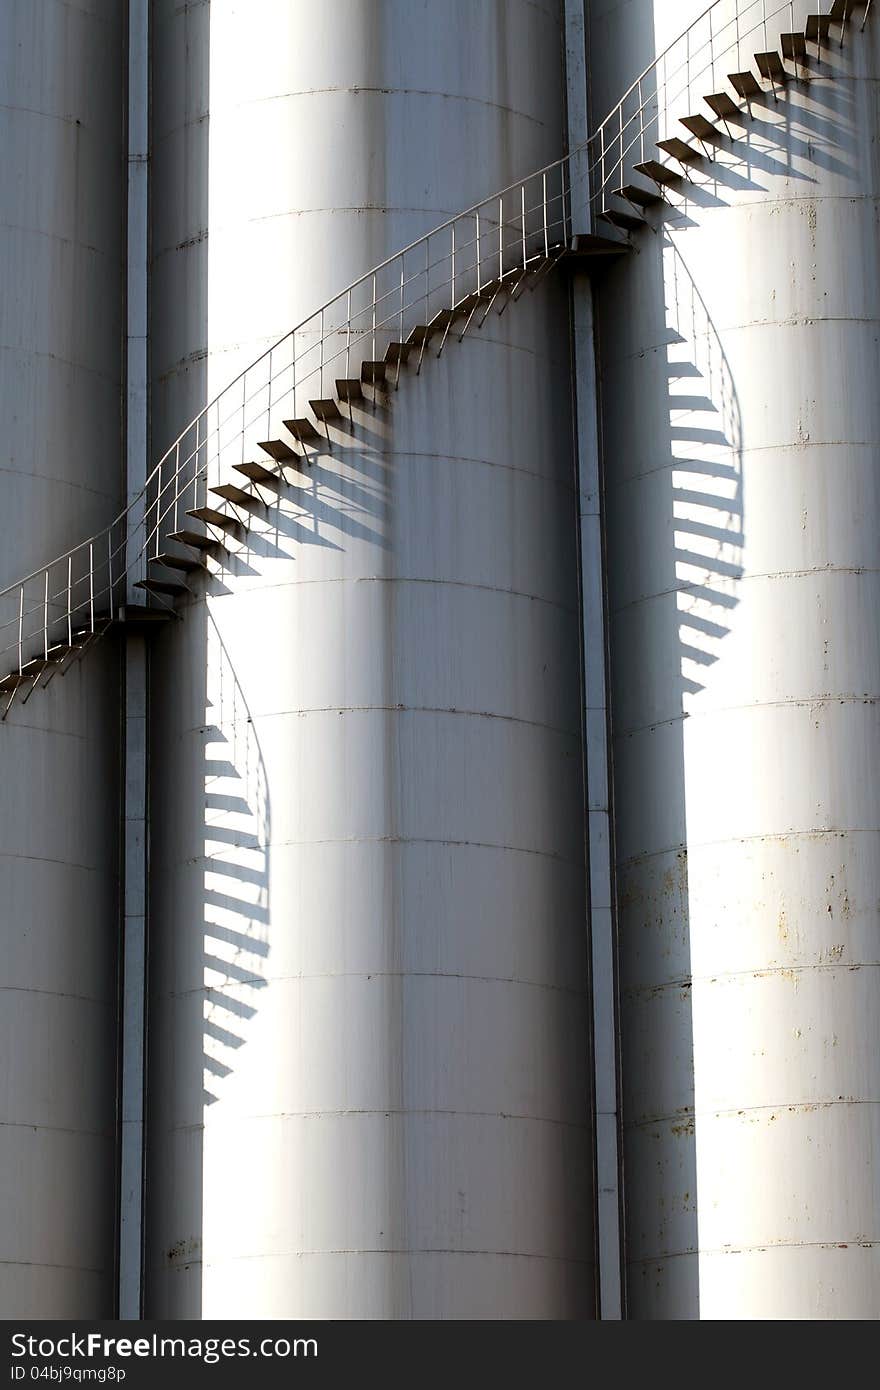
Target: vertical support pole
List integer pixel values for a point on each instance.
(348, 338)
(544, 210)
(522, 191)
(600, 925)
(477, 245)
(132, 984)
(452, 296)
(46, 618)
(20, 629)
(110, 572)
(69, 598)
(501, 238)
(91, 586)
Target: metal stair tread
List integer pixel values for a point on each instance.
(231, 492)
(162, 586)
(642, 197)
(700, 126)
(794, 46)
(277, 449)
(302, 429)
(659, 172)
(745, 84)
(325, 410)
(256, 472)
(770, 66)
(817, 27)
(177, 562)
(679, 149)
(213, 517)
(723, 105)
(196, 539)
(626, 221)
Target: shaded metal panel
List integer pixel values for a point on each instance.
(61, 285)
(739, 356)
(369, 1062)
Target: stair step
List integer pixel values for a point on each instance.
(139, 615)
(700, 126)
(396, 352)
(723, 105)
(419, 335)
(372, 373)
(842, 9)
(794, 47)
(817, 27)
(325, 410)
(196, 539)
(231, 492)
(349, 388)
(277, 449)
(587, 246)
(626, 221)
(214, 518)
(679, 149)
(442, 319)
(302, 430)
(256, 472)
(770, 66)
(745, 84)
(162, 586)
(177, 562)
(642, 197)
(660, 173)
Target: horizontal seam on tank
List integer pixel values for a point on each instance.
(793, 447)
(722, 584)
(805, 702)
(756, 973)
(49, 859)
(358, 90)
(388, 1111)
(394, 840)
(378, 975)
(587, 1261)
(65, 362)
(545, 479)
(62, 240)
(689, 1120)
(17, 107)
(758, 1248)
(808, 832)
(57, 1129)
(49, 1264)
(407, 579)
(799, 321)
(58, 994)
(58, 482)
(302, 710)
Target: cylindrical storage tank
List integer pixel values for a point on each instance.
(369, 1067)
(62, 190)
(740, 351)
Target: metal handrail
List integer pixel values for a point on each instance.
(457, 268)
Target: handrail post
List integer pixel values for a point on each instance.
(501, 237)
(176, 483)
(477, 245)
(69, 600)
(158, 502)
(92, 586)
(46, 618)
(522, 189)
(21, 630)
(544, 205)
(373, 284)
(452, 297)
(348, 336)
(110, 568)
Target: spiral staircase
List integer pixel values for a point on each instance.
(693, 103)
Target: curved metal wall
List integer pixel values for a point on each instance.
(739, 360)
(62, 189)
(369, 1051)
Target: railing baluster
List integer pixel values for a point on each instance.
(348, 336)
(110, 571)
(21, 631)
(477, 245)
(91, 586)
(452, 297)
(46, 618)
(544, 207)
(501, 237)
(176, 483)
(69, 600)
(374, 317)
(522, 190)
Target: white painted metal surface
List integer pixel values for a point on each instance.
(61, 280)
(739, 364)
(369, 1083)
